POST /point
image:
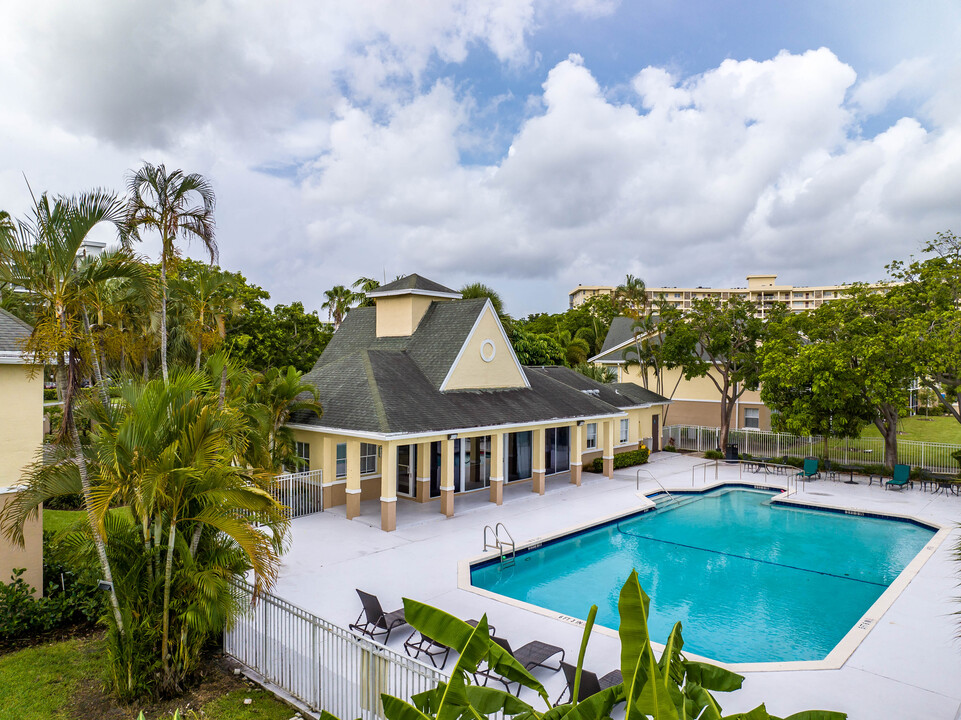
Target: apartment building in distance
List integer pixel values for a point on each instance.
(761, 289)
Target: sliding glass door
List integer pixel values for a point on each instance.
(557, 450)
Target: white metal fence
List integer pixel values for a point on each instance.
(935, 457)
(321, 664)
(301, 493)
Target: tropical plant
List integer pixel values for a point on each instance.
(365, 285)
(44, 259)
(175, 206)
(197, 518)
(339, 300)
(281, 393)
(209, 300)
(631, 298)
(670, 687)
(471, 291)
(600, 373)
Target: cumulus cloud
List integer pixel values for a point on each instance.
(333, 158)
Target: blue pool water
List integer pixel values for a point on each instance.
(751, 581)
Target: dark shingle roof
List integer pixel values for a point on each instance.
(13, 331)
(386, 392)
(620, 395)
(621, 330)
(412, 282)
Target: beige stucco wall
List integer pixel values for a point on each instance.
(471, 370)
(21, 435)
(697, 401)
(21, 420)
(398, 316)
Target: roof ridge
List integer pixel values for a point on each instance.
(379, 411)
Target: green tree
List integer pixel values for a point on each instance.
(281, 393)
(630, 298)
(338, 302)
(930, 298)
(364, 285)
(44, 260)
(175, 206)
(198, 517)
(860, 367)
(209, 300)
(718, 341)
(286, 335)
(534, 349)
(654, 351)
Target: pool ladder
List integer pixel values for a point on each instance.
(501, 545)
(671, 498)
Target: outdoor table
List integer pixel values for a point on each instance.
(947, 485)
(849, 469)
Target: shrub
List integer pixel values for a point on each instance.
(714, 455)
(670, 448)
(49, 394)
(623, 460)
(67, 602)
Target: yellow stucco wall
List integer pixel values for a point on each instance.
(398, 316)
(472, 371)
(21, 420)
(21, 434)
(697, 401)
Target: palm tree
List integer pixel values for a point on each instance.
(480, 290)
(365, 285)
(176, 206)
(338, 303)
(209, 300)
(43, 259)
(631, 297)
(280, 393)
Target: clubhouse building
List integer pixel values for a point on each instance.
(424, 399)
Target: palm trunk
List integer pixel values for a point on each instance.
(81, 462)
(95, 360)
(199, 351)
(163, 316)
(165, 633)
(223, 386)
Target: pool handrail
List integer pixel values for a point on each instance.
(789, 476)
(637, 485)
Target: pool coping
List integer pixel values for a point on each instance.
(835, 659)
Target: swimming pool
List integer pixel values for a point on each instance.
(751, 580)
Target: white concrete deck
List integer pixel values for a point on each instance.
(908, 666)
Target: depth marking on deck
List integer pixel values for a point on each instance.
(571, 620)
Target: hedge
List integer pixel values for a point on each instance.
(628, 459)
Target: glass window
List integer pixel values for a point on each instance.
(302, 450)
(591, 435)
(368, 458)
(341, 460)
(752, 418)
(625, 430)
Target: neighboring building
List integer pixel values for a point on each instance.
(761, 289)
(21, 436)
(424, 399)
(694, 402)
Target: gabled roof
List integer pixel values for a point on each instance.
(620, 332)
(433, 346)
(415, 285)
(13, 331)
(385, 392)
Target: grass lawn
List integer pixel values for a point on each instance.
(56, 520)
(942, 429)
(64, 680)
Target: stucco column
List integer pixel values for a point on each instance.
(607, 430)
(353, 478)
(497, 468)
(388, 489)
(577, 452)
(539, 462)
(328, 466)
(447, 477)
(423, 472)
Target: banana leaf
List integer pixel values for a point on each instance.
(699, 703)
(758, 713)
(488, 701)
(817, 715)
(671, 666)
(712, 677)
(397, 709)
(644, 688)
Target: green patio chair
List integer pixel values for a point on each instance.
(902, 477)
(810, 469)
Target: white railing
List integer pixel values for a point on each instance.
(319, 663)
(935, 457)
(301, 493)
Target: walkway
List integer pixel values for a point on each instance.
(907, 667)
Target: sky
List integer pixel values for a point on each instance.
(531, 145)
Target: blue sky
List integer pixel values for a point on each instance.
(528, 144)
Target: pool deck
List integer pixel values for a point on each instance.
(907, 666)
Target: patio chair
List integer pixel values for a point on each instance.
(419, 644)
(533, 654)
(375, 620)
(831, 472)
(902, 477)
(490, 628)
(810, 469)
(590, 684)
